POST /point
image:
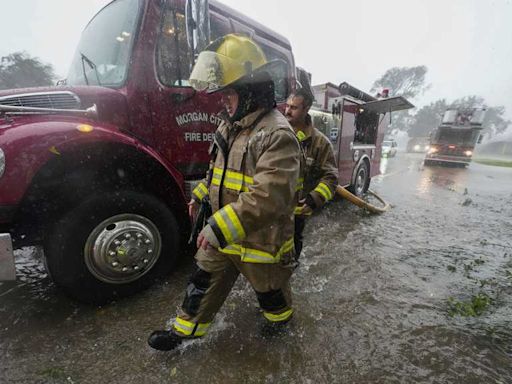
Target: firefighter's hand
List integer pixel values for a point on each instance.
(193, 208)
(207, 238)
(306, 210)
(202, 242)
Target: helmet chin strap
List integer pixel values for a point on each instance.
(248, 67)
(246, 102)
(256, 91)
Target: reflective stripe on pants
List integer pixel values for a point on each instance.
(224, 270)
(250, 255)
(188, 328)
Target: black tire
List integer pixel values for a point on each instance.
(428, 163)
(361, 180)
(83, 259)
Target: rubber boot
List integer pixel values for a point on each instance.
(164, 340)
(270, 330)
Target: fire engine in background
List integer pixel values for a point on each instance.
(454, 140)
(99, 170)
(355, 122)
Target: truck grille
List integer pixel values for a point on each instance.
(452, 151)
(56, 100)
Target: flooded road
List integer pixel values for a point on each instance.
(378, 299)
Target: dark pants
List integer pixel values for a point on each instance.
(300, 223)
(212, 281)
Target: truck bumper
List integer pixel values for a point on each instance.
(7, 270)
(449, 159)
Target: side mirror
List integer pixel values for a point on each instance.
(304, 79)
(480, 138)
(190, 24)
(198, 24)
(278, 71)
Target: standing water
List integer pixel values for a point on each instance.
(420, 294)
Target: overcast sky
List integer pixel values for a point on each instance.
(466, 44)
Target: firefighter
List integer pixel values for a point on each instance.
(384, 94)
(320, 173)
(251, 186)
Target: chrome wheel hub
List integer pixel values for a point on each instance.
(122, 248)
(360, 181)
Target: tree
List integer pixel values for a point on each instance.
(19, 70)
(427, 119)
(494, 123)
(408, 82)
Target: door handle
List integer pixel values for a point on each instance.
(178, 98)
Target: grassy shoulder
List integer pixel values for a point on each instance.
(494, 162)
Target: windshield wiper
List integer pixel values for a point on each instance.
(91, 64)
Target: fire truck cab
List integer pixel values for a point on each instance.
(454, 141)
(98, 171)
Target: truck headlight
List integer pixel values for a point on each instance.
(2, 162)
(468, 153)
(432, 150)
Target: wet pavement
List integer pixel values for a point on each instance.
(378, 299)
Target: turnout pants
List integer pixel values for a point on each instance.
(300, 223)
(213, 279)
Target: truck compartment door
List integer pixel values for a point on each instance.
(397, 103)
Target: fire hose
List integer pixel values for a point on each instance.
(360, 202)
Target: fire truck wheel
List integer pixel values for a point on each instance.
(362, 180)
(111, 245)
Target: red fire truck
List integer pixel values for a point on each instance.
(453, 142)
(355, 122)
(99, 170)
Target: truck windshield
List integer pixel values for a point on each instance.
(103, 53)
(465, 137)
(450, 116)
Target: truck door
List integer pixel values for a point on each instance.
(391, 104)
(184, 120)
(362, 133)
(383, 110)
(345, 140)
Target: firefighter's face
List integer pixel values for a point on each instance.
(295, 110)
(230, 101)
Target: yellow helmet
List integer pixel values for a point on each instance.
(225, 61)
